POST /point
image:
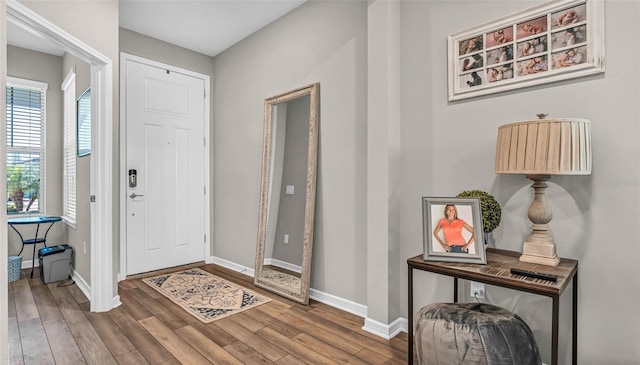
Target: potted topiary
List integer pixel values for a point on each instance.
(491, 211)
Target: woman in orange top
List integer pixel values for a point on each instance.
(452, 227)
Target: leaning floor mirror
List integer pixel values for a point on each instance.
(288, 193)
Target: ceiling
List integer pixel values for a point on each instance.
(19, 37)
(205, 26)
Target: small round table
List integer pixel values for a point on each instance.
(33, 241)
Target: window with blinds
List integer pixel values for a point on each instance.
(69, 149)
(25, 145)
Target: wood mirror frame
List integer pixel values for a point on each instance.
(286, 282)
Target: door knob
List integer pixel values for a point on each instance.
(134, 195)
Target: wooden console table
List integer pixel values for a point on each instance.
(497, 272)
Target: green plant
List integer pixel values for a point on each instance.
(19, 183)
(491, 211)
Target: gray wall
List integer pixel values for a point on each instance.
(590, 213)
(327, 42)
(82, 232)
(37, 66)
(157, 50)
(317, 42)
(594, 216)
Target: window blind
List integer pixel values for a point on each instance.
(25, 116)
(69, 149)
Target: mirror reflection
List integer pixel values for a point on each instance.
(83, 128)
(287, 200)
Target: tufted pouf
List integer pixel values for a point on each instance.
(473, 333)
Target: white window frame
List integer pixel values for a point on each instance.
(69, 151)
(42, 88)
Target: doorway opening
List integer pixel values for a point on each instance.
(101, 290)
(165, 158)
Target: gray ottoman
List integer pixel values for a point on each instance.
(473, 333)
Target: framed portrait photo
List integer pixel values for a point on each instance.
(554, 41)
(452, 230)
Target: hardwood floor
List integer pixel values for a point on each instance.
(49, 324)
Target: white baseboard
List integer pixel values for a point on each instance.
(121, 277)
(27, 264)
(328, 299)
(346, 305)
(386, 331)
(283, 265)
(81, 283)
(115, 302)
(79, 280)
(230, 265)
(86, 288)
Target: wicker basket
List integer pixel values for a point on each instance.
(14, 266)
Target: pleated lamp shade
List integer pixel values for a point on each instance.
(555, 146)
(539, 149)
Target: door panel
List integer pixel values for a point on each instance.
(165, 131)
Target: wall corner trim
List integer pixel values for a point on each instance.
(386, 331)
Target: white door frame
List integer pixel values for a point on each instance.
(124, 57)
(4, 286)
(103, 292)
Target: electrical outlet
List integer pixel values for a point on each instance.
(286, 238)
(84, 248)
(477, 290)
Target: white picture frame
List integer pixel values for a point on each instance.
(554, 41)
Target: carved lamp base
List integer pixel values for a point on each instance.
(540, 253)
(539, 247)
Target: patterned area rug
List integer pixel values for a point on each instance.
(204, 295)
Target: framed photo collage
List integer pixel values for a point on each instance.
(553, 42)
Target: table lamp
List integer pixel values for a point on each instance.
(541, 148)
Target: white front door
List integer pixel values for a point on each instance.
(165, 116)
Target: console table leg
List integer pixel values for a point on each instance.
(455, 290)
(410, 316)
(554, 329)
(574, 338)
